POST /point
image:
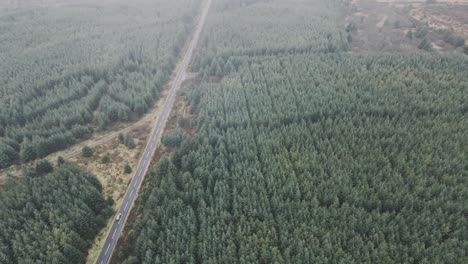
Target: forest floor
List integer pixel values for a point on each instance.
(383, 25)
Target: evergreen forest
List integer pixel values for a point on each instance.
(318, 159)
(285, 146)
(69, 69)
(306, 153)
(51, 218)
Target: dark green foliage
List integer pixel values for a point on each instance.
(60, 161)
(105, 158)
(44, 166)
(458, 41)
(28, 171)
(51, 219)
(28, 151)
(421, 31)
(317, 159)
(451, 37)
(110, 201)
(130, 143)
(409, 34)
(121, 137)
(8, 153)
(127, 140)
(87, 152)
(127, 169)
(80, 131)
(425, 45)
(174, 139)
(351, 27)
(131, 260)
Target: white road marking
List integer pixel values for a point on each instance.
(131, 192)
(126, 206)
(135, 184)
(113, 235)
(107, 250)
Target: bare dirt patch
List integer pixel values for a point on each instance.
(379, 27)
(111, 174)
(453, 15)
(389, 25)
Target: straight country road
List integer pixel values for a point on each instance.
(142, 167)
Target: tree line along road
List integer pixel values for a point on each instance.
(130, 195)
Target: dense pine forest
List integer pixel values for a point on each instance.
(51, 218)
(318, 159)
(307, 153)
(288, 146)
(70, 69)
(259, 27)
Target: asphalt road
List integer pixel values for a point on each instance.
(130, 195)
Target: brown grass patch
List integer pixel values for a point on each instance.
(382, 25)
